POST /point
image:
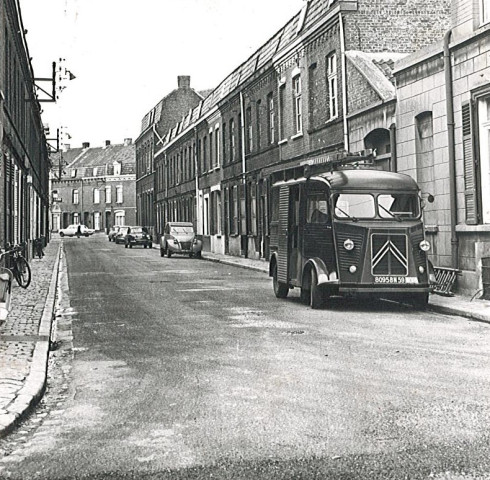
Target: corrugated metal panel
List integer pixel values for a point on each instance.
(283, 243)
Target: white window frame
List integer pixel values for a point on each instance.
(96, 195)
(484, 12)
(119, 194)
(75, 196)
(272, 118)
(217, 140)
(297, 104)
(332, 82)
(108, 194)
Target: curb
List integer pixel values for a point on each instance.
(445, 309)
(35, 384)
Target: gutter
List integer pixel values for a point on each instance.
(451, 150)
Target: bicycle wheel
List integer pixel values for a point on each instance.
(22, 272)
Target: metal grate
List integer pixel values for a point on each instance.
(445, 278)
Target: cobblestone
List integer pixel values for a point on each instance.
(21, 342)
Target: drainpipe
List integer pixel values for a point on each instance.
(451, 150)
(196, 165)
(393, 161)
(244, 169)
(344, 82)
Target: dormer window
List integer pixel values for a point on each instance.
(117, 168)
(73, 172)
(94, 172)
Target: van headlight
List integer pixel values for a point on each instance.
(349, 245)
(424, 245)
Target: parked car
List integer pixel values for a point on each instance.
(76, 229)
(113, 231)
(180, 237)
(137, 236)
(120, 235)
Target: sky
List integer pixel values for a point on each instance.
(126, 54)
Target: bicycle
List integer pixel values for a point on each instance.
(18, 265)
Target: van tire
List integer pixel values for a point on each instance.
(281, 290)
(317, 293)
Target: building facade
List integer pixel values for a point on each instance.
(94, 186)
(154, 126)
(322, 84)
(443, 138)
(24, 170)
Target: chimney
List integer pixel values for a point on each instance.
(107, 143)
(85, 144)
(128, 141)
(184, 81)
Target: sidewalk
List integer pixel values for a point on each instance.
(474, 309)
(24, 336)
(24, 340)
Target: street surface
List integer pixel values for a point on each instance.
(186, 369)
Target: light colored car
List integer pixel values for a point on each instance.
(121, 234)
(180, 237)
(137, 236)
(76, 230)
(113, 231)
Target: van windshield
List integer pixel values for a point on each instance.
(398, 205)
(354, 206)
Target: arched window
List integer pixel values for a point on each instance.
(379, 140)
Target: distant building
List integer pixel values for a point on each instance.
(155, 124)
(443, 139)
(94, 186)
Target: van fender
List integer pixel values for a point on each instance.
(323, 275)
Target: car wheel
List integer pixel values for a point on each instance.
(130, 245)
(281, 290)
(62, 234)
(144, 246)
(125, 245)
(198, 255)
(169, 253)
(162, 253)
(150, 245)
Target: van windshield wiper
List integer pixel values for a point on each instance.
(354, 219)
(390, 213)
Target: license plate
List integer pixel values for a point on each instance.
(395, 279)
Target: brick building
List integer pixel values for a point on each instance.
(155, 124)
(24, 170)
(443, 138)
(321, 84)
(94, 186)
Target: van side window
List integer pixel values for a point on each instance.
(317, 209)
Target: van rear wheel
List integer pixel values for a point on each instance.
(281, 290)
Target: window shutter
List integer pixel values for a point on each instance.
(470, 171)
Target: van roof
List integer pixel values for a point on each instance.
(365, 179)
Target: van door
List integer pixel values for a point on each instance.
(294, 232)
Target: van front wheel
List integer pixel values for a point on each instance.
(281, 290)
(317, 293)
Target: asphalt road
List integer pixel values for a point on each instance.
(187, 369)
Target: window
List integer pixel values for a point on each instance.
(248, 120)
(258, 106)
(74, 196)
(204, 154)
(333, 109)
(216, 217)
(271, 117)
(73, 172)
(297, 106)
(119, 217)
(232, 140)
(282, 129)
(117, 168)
(94, 172)
(217, 147)
(398, 205)
(234, 210)
(484, 11)
(424, 146)
(354, 205)
(484, 154)
(96, 195)
(211, 158)
(108, 198)
(317, 209)
(119, 194)
(225, 146)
